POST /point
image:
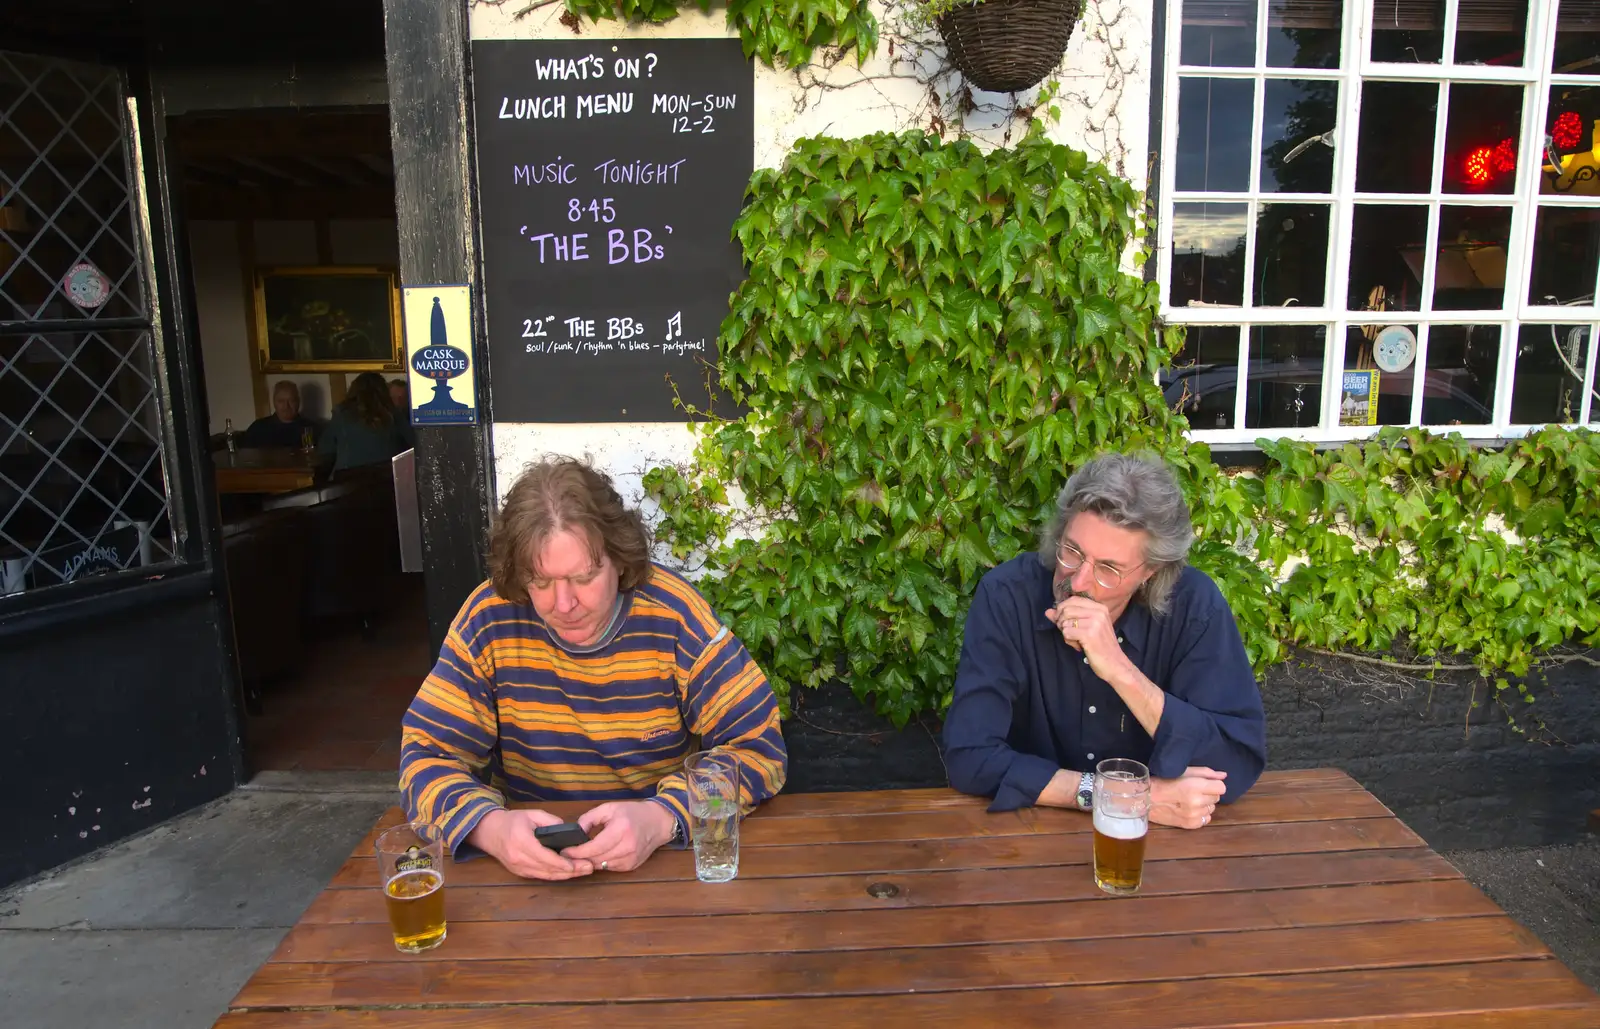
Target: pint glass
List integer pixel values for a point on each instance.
(411, 867)
(1121, 820)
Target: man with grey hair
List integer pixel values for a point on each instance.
(285, 426)
(1105, 643)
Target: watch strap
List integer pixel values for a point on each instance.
(1085, 796)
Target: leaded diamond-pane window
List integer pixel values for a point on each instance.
(83, 470)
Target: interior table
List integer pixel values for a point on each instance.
(267, 470)
(1306, 903)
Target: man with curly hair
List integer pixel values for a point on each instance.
(580, 671)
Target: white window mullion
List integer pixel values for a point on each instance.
(1504, 378)
(1169, 151)
(1586, 409)
(1452, 14)
(1239, 392)
(1252, 212)
(1333, 376)
(1419, 375)
(1441, 122)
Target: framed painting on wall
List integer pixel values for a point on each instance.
(329, 319)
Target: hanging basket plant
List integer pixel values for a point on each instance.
(1005, 46)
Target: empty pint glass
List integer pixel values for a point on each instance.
(411, 867)
(1121, 821)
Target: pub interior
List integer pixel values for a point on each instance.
(329, 630)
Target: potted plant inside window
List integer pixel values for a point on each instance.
(1005, 46)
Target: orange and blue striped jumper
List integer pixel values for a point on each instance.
(508, 714)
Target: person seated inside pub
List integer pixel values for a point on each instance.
(580, 671)
(1105, 643)
(365, 428)
(285, 426)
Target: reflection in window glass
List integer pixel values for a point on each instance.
(1547, 385)
(1577, 38)
(1571, 132)
(1283, 384)
(1395, 153)
(1387, 244)
(1208, 255)
(1204, 377)
(1219, 33)
(1214, 118)
(1491, 32)
(1408, 31)
(1297, 135)
(1458, 388)
(1480, 140)
(1470, 265)
(1566, 255)
(1304, 33)
(1291, 255)
(1362, 378)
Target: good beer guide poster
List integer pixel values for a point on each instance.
(610, 173)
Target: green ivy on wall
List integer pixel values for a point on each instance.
(776, 32)
(931, 337)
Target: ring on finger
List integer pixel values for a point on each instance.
(1074, 623)
(603, 864)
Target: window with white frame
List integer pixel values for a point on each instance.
(1381, 212)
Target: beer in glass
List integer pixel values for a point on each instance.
(411, 869)
(1121, 822)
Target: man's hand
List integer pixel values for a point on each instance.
(1086, 626)
(1187, 801)
(630, 831)
(507, 836)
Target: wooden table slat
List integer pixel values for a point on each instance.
(593, 897)
(970, 820)
(530, 980)
(1523, 992)
(361, 871)
(933, 927)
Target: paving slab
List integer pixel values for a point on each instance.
(162, 930)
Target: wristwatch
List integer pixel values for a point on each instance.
(1086, 791)
(677, 832)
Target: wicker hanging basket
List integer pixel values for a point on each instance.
(1008, 45)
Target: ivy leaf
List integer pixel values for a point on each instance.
(972, 551)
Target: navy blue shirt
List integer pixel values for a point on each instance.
(1026, 704)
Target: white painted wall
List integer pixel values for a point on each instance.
(223, 311)
(1104, 102)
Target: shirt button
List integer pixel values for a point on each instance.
(1085, 660)
(1091, 757)
(1119, 639)
(1091, 709)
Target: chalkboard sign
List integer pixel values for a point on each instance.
(610, 172)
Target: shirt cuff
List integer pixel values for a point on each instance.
(680, 813)
(1027, 777)
(1181, 727)
(460, 825)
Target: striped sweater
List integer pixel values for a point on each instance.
(507, 714)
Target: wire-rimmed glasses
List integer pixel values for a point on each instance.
(1070, 558)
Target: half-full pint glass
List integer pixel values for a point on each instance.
(1121, 821)
(411, 867)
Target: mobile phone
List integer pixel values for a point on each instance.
(560, 837)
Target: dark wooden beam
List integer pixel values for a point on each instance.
(426, 42)
(347, 133)
(206, 201)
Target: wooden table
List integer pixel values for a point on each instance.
(1306, 903)
(266, 470)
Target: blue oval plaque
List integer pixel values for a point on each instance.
(440, 362)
